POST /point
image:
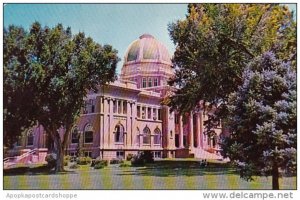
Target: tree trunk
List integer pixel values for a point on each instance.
(275, 177)
(59, 153)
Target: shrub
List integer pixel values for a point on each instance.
(51, 160)
(125, 165)
(99, 166)
(142, 158)
(74, 166)
(67, 157)
(129, 157)
(83, 160)
(116, 161)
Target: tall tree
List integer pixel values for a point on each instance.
(65, 69)
(262, 120)
(216, 41)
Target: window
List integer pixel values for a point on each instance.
(119, 107)
(124, 107)
(88, 134)
(120, 154)
(75, 135)
(137, 141)
(155, 82)
(159, 114)
(150, 82)
(143, 112)
(149, 113)
(30, 137)
(157, 154)
(114, 106)
(92, 105)
(144, 82)
(19, 141)
(146, 135)
(119, 133)
(157, 136)
(88, 154)
(138, 111)
(154, 114)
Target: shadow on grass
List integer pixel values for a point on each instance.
(179, 168)
(26, 170)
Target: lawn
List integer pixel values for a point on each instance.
(166, 174)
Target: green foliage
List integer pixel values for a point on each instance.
(129, 156)
(142, 158)
(116, 161)
(74, 166)
(125, 165)
(215, 42)
(99, 164)
(84, 160)
(263, 119)
(53, 71)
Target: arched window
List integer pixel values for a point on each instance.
(146, 135)
(88, 134)
(137, 141)
(119, 133)
(30, 137)
(75, 135)
(157, 136)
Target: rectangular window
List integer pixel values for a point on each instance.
(114, 106)
(159, 114)
(155, 82)
(75, 138)
(149, 113)
(138, 108)
(154, 114)
(88, 137)
(85, 105)
(88, 154)
(119, 107)
(143, 112)
(120, 154)
(91, 106)
(124, 107)
(144, 82)
(157, 154)
(150, 82)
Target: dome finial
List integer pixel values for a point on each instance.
(146, 35)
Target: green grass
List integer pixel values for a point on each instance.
(165, 174)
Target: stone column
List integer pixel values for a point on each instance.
(191, 130)
(180, 132)
(105, 122)
(129, 128)
(198, 130)
(111, 127)
(201, 129)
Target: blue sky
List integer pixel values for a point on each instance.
(115, 24)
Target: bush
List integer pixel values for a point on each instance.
(51, 160)
(66, 160)
(129, 157)
(84, 160)
(142, 158)
(99, 166)
(125, 165)
(74, 166)
(116, 161)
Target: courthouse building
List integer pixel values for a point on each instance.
(127, 115)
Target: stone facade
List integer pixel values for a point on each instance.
(127, 116)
